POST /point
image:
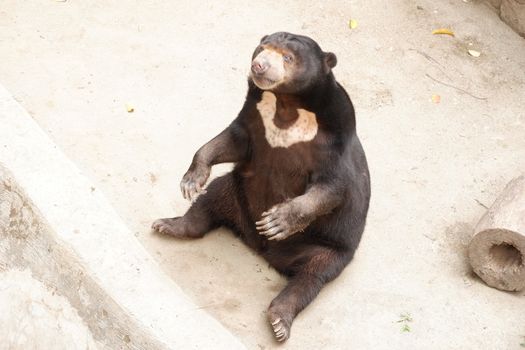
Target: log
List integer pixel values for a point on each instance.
(497, 251)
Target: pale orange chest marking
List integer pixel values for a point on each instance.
(303, 129)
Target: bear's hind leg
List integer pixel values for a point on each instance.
(194, 224)
(204, 215)
(318, 266)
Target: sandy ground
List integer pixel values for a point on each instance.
(182, 65)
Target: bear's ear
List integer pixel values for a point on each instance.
(264, 37)
(330, 60)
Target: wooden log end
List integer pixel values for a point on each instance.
(497, 256)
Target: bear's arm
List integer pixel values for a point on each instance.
(231, 145)
(327, 186)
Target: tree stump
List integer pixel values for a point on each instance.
(497, 251)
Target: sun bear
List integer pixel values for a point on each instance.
(300, 188)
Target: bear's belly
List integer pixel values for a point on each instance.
(272, 180)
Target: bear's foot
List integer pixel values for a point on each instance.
(176, 227)
(280, 327)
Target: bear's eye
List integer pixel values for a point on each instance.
(288, 58)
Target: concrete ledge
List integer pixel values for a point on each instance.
(55, 223)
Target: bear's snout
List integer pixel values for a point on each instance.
(259, 67)
(267, 70)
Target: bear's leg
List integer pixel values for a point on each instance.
(312, 270)
(205, 214)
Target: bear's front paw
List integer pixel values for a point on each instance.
(281, 221)
(193, 182)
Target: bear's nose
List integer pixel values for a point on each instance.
(259, 67)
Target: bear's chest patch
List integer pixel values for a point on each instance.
(303, 129)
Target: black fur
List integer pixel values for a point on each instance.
(318, 191)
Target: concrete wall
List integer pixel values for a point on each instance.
(61, 242)
(511, 12)
(35, 317)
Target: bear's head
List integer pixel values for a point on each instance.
(289, 63)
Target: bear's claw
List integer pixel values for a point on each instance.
(280, 330)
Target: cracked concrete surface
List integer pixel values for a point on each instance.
(58, 228)
(33, 317)
(182, 66)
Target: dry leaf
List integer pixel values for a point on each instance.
(474, 53)
(444, 31)
(352, 24)
(436, 98)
